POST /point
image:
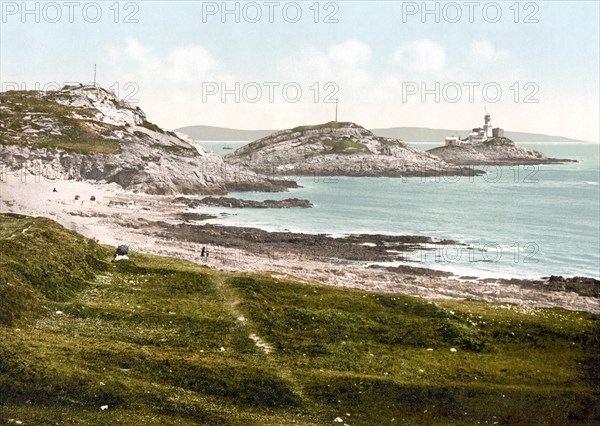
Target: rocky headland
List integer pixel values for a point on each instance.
(498, 151)
(86, 133)
(338, 149)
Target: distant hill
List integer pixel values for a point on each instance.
(408, 134)
(211, 133)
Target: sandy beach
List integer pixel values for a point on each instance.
(150, 224)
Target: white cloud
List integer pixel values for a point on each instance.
(345, 66)
(135, 50)
(180, 66)
(188, 63)
(487, 51)
(345, 62)
(170, 88)
(351, 53)
(484, 61)
(421, 55)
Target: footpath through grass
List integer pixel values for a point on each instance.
(155, 340)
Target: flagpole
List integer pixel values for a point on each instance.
(336, 109)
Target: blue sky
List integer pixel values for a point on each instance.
(186, 63)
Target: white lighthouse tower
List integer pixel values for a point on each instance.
(487, 127)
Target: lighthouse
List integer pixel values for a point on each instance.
(479, 134)
(487, 127)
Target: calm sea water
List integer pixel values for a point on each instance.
(527, 221)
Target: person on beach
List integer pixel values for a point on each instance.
(203, 251)
(121, 252)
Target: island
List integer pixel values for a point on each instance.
(487, 145)
(338, 149)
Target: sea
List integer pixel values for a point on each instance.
(513, 222)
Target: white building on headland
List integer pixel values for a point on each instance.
(478, 135)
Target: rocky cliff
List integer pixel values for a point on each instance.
(496, 151)
(85, 132)
(338, 149)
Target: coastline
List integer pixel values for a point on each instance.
(154, 224)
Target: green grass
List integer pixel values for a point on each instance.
(28, 102)
(79, 138)
(329, 125)
(343, 146)
(76, 135)
(40, 261)
(370, 350)
(163, 341)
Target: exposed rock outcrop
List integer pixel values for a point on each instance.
(238, 203)
(85, 132)
(584, 286)
(361, 247)
(496, 151)
(338, 149)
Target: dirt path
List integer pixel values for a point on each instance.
(231, 301)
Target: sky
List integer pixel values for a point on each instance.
(534, 66)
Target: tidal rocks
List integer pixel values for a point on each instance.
(584, 286)
(239, 203)
(352, 248)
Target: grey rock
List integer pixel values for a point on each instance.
(338, 149)
(495, 152)
(239, 203)
(148, 159)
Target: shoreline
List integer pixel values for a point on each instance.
(153, 224)
(427, 249)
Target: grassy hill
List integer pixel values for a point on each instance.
(62, 130)
(156, 340)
